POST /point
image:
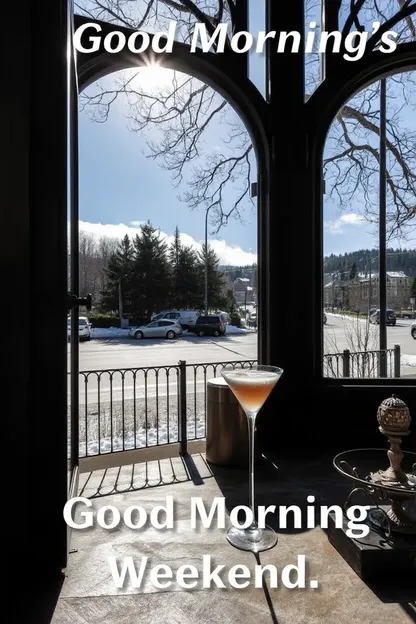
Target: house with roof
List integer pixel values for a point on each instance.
(362, 292)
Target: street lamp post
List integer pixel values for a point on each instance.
(206, 259)
(120, 302)
(247, 289)
(370, 294)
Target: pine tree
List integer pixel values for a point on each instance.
(217, 294)
(185, 277)
(118, 276)
(353, 271)
(151, 275)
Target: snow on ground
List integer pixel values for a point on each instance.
(116, 332)
(109, 332)
(347, 317)
(408, 360)
(145, 438)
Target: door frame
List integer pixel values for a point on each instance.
(73, 198)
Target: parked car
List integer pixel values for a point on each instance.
(211, 325)
(185, 317)
(84, 328)
(157, 329)
(413, 330)
(224, 316)
(374, 317)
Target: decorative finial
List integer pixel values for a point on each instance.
(394, 420)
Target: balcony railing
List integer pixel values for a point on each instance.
(135, 408)
(362, 364)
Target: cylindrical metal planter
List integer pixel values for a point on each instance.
(227, 428)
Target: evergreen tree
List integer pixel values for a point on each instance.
(185, 276)
(217, 293)
(353, 271)
(151, 276)
(118, 275)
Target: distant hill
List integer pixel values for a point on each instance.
(397, 260)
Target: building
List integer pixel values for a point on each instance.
(243, 290)
(362, 293)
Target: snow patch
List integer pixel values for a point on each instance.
(408, 360)
(145, 438)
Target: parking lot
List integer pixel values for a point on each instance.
(130, 353)
(339, 334)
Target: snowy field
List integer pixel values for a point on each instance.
(156, 425)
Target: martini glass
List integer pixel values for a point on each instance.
(251, 387)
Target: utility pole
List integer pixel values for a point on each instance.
(206, 259)
(382, 232)
(370, 293)
(120, 302)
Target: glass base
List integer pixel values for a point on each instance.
(253, 540)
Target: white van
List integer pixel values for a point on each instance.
(225, 317)
(186, 318)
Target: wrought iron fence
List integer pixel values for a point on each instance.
(133, 408)
(362, 364)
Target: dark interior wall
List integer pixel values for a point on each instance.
(15, 268)
(34, 231)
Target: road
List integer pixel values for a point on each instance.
(129, 353)
(142, 403)
(344, 333)
(339, 334)
(124, 353)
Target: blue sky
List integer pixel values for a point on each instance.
(120, 187)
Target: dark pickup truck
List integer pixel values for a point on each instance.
(211, 325)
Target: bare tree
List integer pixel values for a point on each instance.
(179, 119)
(87, 263)
(94, 255)
(360, 343)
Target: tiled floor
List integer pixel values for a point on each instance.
(89, 594)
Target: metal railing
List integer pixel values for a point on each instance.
(362, 364)
(134, 408)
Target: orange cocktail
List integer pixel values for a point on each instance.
(251, 387)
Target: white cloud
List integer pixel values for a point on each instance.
(337, 226)
(228, 254)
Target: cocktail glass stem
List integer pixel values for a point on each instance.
(251, 418)
(251, 388)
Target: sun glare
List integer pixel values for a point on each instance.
(154, 76)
